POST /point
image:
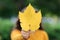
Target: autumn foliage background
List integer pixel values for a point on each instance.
(50, 11)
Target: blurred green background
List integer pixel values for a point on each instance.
(50, 11)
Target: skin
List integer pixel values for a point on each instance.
(25, 34)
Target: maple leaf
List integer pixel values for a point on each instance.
(30, 20)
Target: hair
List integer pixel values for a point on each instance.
(18, 26)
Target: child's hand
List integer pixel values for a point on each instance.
(25, 34)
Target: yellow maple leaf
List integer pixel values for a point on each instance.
(30, 20)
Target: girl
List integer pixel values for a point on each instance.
(29, 26)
